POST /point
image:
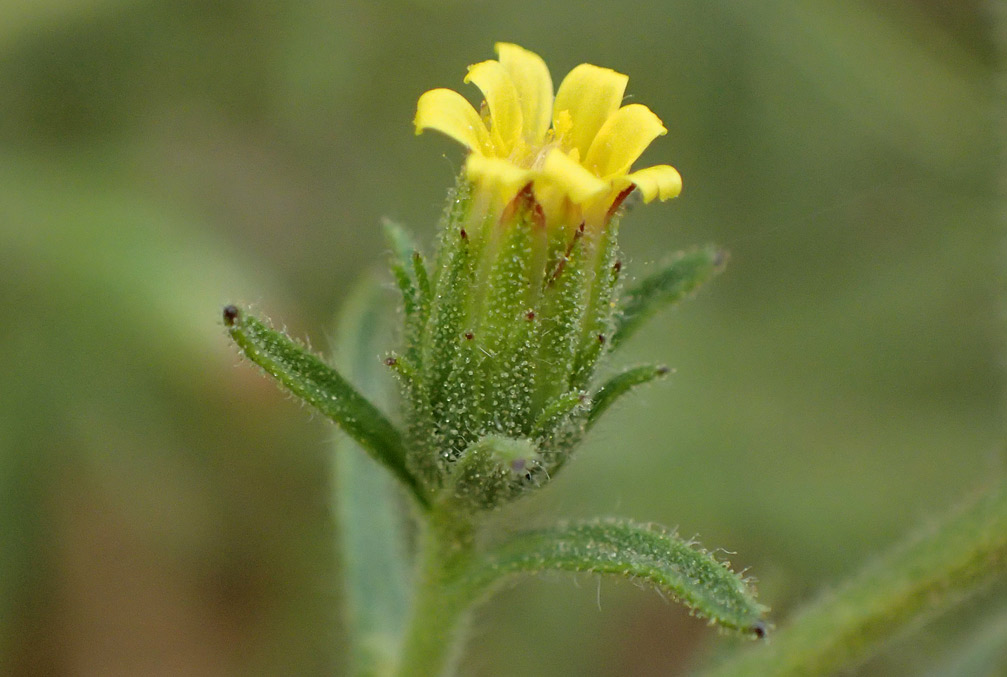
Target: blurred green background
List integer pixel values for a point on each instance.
(165, 508)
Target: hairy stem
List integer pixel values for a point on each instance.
(440, 606)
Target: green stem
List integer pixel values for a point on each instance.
(440, 605)
(923, 576)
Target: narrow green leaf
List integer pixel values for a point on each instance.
(422, 278)
(402, 247)
(372, 535)
(558, 332)
(410, 277)
(599, 315)
(404, 369)
(504, 330)
(619, 385)
(307, 376)
(675, 567)
(446, 350)
(557, 410)
(558, 428)
(922, 576)
(665, 288)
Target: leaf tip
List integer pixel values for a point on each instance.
(719, 258)
(231, 315)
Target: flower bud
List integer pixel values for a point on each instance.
(522, 294)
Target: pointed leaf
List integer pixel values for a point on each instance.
(307, 376)
(562, 308)
(403, 368)
(410, 276)
(504, 327)
(664, 288)
(599, 314)
(372, 536)
(556, 411)
(445, 350)
(402, 247)
(675, 567)
(422, 278)
(619, 385)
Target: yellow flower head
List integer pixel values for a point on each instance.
(575, 149)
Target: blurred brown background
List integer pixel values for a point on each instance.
(164, 509)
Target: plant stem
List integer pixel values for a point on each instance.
(923, 576)
(440, 605)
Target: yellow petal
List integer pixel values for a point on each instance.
(501, 97)
(447, 111)
(660, 181)
(621, 140)
(502, 178)
(590, 95)
(531, 78)
(575, 181)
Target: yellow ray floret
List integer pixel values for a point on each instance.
(576, 147)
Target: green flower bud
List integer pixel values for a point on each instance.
(504, 333)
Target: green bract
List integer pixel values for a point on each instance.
(501, 344)
(503, 339)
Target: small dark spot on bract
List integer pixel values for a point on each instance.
(530, 315)
(391, 361)
(601, 338)
(759, 629)
(663, 370)
(231, 315)
(464, 235)
(469, 335)
(618, 266)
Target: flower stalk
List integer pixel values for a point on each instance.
(441, 605)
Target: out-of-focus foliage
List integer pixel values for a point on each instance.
(838, 383)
